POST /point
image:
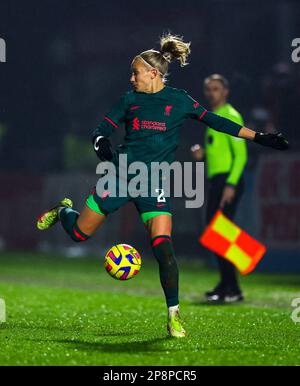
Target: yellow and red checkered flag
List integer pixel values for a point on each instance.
(226, 239)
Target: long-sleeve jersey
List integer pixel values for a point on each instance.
(224, 153)
(152, 123)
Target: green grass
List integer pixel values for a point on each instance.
(70, 312)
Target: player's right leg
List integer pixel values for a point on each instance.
(50, 217)
(79, 226)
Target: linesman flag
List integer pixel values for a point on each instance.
(226, 239)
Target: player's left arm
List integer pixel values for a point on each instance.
(276, 141)
(216, 122)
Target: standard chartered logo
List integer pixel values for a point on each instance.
(2, 51)
(295, 316)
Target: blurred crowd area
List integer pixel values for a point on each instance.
(68, 62)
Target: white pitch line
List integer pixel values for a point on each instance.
(2, 311)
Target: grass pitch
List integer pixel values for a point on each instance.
(70, 312)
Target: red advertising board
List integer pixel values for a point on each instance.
(278, 200)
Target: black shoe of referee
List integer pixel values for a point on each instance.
(222, 294)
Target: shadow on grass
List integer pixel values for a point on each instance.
(143, 346)
(203, 303)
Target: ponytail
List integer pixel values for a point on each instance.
(172, 47)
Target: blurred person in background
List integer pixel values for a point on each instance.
(226, 158)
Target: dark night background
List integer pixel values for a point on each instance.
(69, 61)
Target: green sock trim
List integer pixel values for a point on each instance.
(92, 204)
(146, 216)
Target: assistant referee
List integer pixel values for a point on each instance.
(226, 158)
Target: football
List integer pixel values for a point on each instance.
(122, 262)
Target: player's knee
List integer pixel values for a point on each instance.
(163, 249)
(161, 240)
(77, 235)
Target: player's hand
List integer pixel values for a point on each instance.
(197, 152)
(102, 147)
(227, 196)
(276, 141)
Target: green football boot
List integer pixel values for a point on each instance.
(46, 220)
(175, 327)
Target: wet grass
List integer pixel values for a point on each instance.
(64, 311)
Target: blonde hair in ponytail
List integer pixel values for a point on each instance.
(172, 47)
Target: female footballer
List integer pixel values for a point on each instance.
(153, 114)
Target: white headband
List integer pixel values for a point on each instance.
(148, 64)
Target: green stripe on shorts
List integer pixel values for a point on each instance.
(148, 215)
(92, 204)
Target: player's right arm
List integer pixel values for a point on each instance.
(111, 122)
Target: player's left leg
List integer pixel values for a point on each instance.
(160, 227)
